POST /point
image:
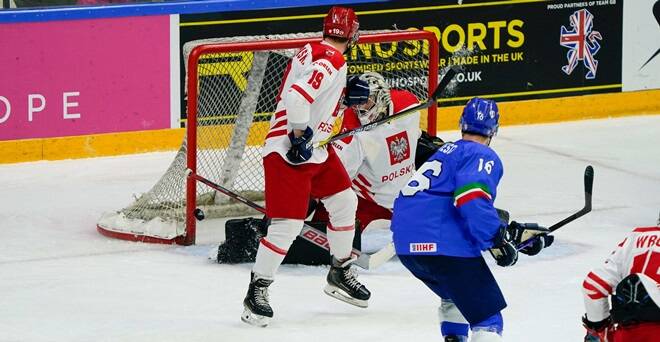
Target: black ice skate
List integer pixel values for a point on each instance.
(343, 284)
(257, 310)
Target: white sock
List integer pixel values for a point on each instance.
(341, 230)
(274, 246)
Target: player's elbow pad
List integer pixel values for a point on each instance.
(297, 109)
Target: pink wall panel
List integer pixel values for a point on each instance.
(78, 77)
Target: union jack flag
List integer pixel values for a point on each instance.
(582, 42)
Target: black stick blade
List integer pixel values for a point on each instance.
(444, 82)
(588, 186)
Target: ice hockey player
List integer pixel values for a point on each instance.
(295, 171)
(631, 276)
(378, 161)
(444, 217)
(381, 160)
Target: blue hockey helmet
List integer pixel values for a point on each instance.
(480, 116)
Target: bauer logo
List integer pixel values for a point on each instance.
(399, 147)
(423, 247)
(582, 41)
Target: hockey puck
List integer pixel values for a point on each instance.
(199, 214)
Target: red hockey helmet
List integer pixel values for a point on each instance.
(343, 23)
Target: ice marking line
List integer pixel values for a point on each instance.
(574, 157)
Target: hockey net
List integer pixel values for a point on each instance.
(232, 85)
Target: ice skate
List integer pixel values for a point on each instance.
(343, 284)
(257, 309)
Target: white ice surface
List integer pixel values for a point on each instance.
(62, 281)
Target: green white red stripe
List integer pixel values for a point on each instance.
(470, 192)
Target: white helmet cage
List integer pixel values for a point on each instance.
(378, 105)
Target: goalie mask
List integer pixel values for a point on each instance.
(379, 104)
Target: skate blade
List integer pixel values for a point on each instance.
(340, 294)
(253, 319)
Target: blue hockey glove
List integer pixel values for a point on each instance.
(523, 232)
(357, 92)
(301, 147)
(504, 251)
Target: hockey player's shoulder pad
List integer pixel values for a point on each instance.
(323, 53)
(402, 99)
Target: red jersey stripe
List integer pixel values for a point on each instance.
(340, 229)
(474, 195)
(279, 124)
(595, 293)
(280, 114)
(363, 190)
(646, 229)
(600, 281)
(302, 92)
(364, 180)
(276, 133)
(272, 247)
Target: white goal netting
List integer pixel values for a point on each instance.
(237, 87)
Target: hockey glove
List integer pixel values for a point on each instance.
(524, 232)
(504, 251)
(504, 215)
(301, 147)
(357, 92)
(597, 331)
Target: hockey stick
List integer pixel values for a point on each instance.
(309, 233)
(373, 260)
(588, 187)
(430, 101)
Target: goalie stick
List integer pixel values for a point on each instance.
(430, 101)
(588, 187)
(309, 233)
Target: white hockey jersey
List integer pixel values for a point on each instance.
(638, 253)
(381, 160)
(313, 84)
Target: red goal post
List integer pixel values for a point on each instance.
(231, 90)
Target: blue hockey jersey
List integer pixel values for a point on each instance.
(447, 206)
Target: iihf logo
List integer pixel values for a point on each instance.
(582, 41)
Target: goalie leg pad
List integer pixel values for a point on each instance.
(241, 241)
